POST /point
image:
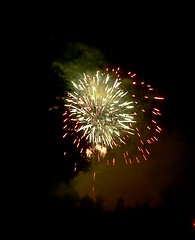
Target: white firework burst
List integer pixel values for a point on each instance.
(99, 108)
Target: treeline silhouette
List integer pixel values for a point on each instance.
(83, 216)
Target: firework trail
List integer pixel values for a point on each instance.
(104, 112)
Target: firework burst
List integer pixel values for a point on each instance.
(106, 112)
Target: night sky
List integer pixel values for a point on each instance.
(158, 46)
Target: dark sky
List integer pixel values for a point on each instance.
(156, 43)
